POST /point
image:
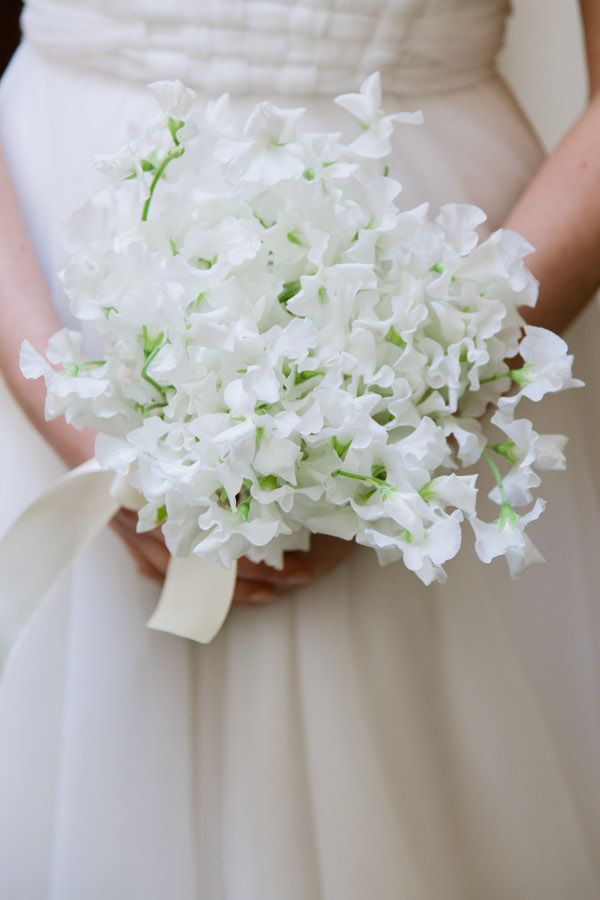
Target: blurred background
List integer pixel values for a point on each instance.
(543, 60)
(9, 29)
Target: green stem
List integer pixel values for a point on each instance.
(145, 408)
(148, 378)
(495, 378)
(171, 155)
(93, 362)
(517, 375)
(496, 473)
(368, 479)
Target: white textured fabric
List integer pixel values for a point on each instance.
(368, 736)
(287, 46)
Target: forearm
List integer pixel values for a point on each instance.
(26, 311)
(559, 214)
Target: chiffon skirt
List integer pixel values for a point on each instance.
(365, 737)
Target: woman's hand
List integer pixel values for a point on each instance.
(256, 584)
(148, 549)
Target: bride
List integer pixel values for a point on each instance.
(350, 733)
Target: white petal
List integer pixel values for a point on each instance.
(173, 97)
(32, 363)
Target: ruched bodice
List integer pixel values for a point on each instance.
(287, 46)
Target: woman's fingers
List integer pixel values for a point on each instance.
(145, 568)
(254, 593)
(142, 564)
(152, 558)
(152, 551)
(327, 553)
(257, 583)
(156, 554)
(128, 520)
(297, 570)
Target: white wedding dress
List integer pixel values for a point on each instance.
(368, 737)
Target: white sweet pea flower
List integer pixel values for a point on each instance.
(506, 537)
(469, 438)
(440, 543)
(114, 454)
(454, 490)
(460, 222)
(525, 450)
(229, 535)
(122, 164)
(74, 385)
(338, 522)
(517, 487)
(547, 365)
(277, 456)
(271, 125)
(268, 152)
(423, 553)
(500, 259)
(549, 452)
(424, 449)
(365, 106)
(173, 97)
(218, 116)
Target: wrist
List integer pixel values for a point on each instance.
(72, 446)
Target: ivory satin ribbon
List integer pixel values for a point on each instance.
(46, 538)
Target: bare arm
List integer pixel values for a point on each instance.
(26, 310)
(559, 213)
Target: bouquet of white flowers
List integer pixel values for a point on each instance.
(287, 351)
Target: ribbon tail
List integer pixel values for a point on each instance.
(40, 546)
(195, 599)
